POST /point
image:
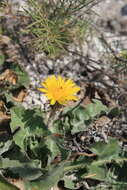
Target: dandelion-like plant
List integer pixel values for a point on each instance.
(59, 90)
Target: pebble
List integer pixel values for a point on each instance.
(28, 99)
(25, 104)
(43, 98)
(50, 63)
(37, 102)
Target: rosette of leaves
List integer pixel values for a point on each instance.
(37, 154)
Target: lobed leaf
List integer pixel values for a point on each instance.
(50, 179)
(106, 151)
(30, 122)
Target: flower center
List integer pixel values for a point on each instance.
(58, 93)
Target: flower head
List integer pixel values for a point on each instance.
(59, 89)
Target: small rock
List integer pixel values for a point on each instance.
(37, 102)
(43, 98)
(28, 99)
(25, 104)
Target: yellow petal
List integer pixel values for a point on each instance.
(52, 102)
(42, 89)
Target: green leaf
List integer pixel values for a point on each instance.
(50, 179)
(69, 183)
(95, 108)
(57, 127)
(20, 136)
(30, 123)
(51, 143)
(34, 122)
(6, 163)
(2, 59)
(26, 170)
(97, 171)
(17, 121)
(78, 126)
(81, 114)
(17, 117)
(114, 112)
(66, 125)
(77, 119)
(67, 110)
(106, 151)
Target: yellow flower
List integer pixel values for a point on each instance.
(59, 89)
